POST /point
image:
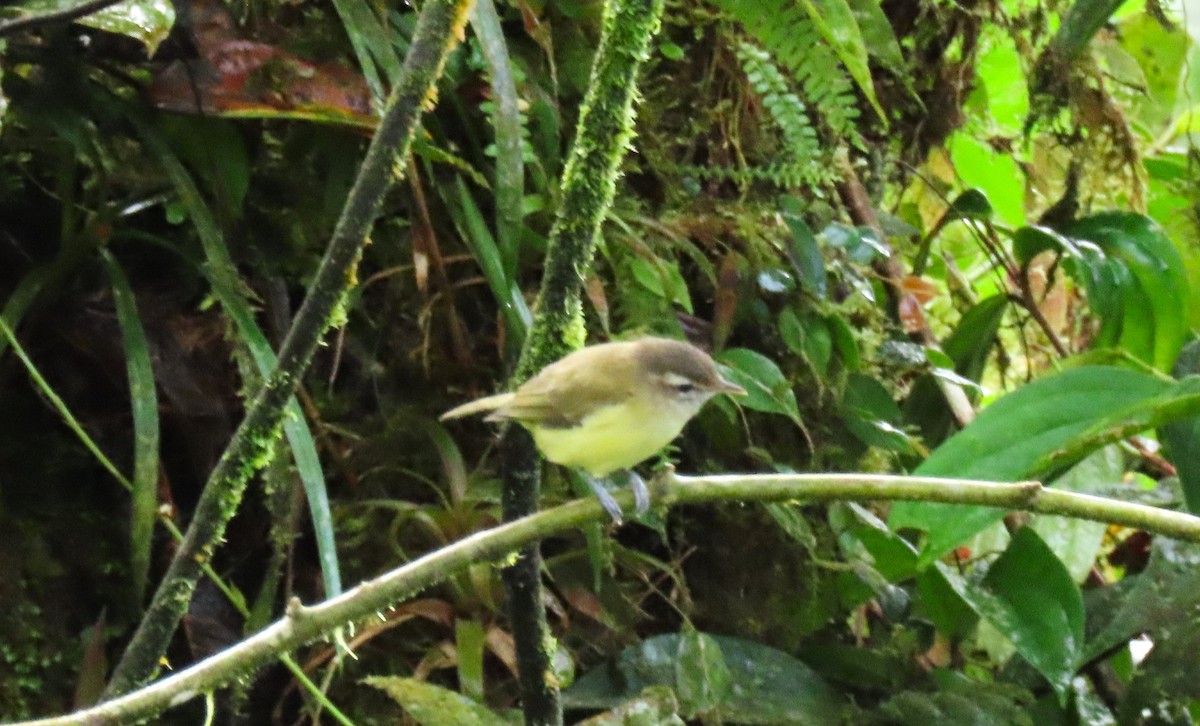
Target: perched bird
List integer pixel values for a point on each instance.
(608, 407)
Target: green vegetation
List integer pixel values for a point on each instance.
(249, 251)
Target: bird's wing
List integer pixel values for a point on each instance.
(562, 396)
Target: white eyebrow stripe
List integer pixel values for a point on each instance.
(674, 379)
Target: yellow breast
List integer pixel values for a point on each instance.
(612, 438)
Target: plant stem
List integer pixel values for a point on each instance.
(440, 22)
(305, 624)
(589, 184)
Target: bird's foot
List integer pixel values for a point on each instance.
(641, 493)
(606, 498)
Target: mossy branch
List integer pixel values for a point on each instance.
(439, 25)
(589, 183)
(305, 624)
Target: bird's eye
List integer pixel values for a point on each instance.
(685, 387)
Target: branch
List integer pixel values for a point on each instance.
(305, 624)
(589, 183)
(440, 22)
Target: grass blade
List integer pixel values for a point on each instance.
(222, 274)
(61, 406)
(143, 399)
(506, 122)
(474, 231)
(372, 47)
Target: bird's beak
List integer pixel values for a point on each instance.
(733, 389)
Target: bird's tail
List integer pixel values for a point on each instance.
(479, 405)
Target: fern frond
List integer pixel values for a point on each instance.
(790, 38)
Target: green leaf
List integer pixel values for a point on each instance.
(877, 34)
(992, 172)
(1155, 601)
(671, 51)
(372, 44)
(222, 275)
(1183, 437)
(431, 705)
(143, 397)
(506, 124)
(767, 389)
(702, 678)
(148, 21)
(473, 228)
(837, 25)
(807, 337)
(978, 703)
(469, 645)
(1029, 596)
(767, 686)
(1076, 541)
(971, 204)
(844, 342)
(1002, 81)
(1149, 285)
(872, 415)
(1079, 24)
(1037, 431)
(804, 251)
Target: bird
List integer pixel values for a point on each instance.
(606, 408)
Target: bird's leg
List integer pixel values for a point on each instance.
(606, 499)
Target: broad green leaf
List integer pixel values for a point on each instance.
(877, 34)
(1162, 57)
(1037, 431)
(992, 172)
(977, 703)
(837, 25)
(971, 204)
(1029, 596)
(1183, 437)
(1032, 240)
(1151, 282)
(767, 686)
(878, 558)
(872, 415)
(1155, 601)
(844, 342)
(431, 705)
(968, 346)
(807, 337)
(148, 21)
(767, 389)
(1076, 541)
(804, 251)
(143, 398)
(654, 706)
(702, 679)
(943, 605)
(1002, 81)
(862, 245)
